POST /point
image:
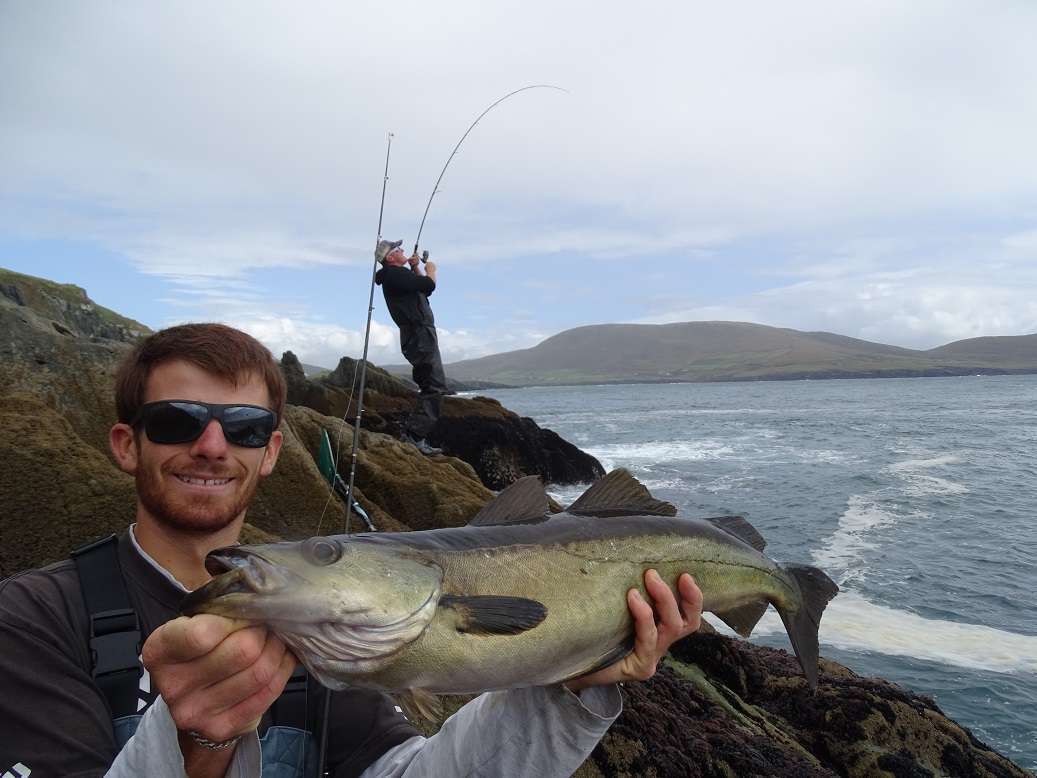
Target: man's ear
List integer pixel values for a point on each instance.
(273, 448)
(123, 442)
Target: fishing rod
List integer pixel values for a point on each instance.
(367, 340)
(435, 188)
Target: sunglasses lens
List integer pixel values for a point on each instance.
(175, 422)
(247, 426)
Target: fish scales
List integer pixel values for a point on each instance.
(513, 599)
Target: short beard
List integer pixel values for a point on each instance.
(193, 519)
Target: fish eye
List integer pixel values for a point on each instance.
(323, 551)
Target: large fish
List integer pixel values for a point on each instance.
(516, 598)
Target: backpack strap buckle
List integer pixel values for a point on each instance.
(114, 641)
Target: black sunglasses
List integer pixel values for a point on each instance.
(170, 422)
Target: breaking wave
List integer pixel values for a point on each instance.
(847, 545)
(919, 483)
(854, 624)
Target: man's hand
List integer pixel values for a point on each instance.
(217, 676)
(651, 640)
(414, 259)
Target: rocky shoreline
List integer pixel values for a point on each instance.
(718, 707)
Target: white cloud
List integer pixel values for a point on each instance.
(206, 141)
(916, 308)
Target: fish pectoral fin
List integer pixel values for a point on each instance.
(620, 494)
(488, 614)
(524, 502)
(741, 529)
(743, 618)
(419, 704)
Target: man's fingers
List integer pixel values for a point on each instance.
(186, 638)
(645, 631)
(230, 690)
(244, 716)
(665, 602)
(691, 602)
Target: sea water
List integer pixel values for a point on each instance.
(918, 496)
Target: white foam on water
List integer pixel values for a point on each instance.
(917, 464)
(662, 450)
(918, 483)
(848, 544)
(661, 483)
(852, 623)
(568, 494)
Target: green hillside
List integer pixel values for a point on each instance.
(732, 351)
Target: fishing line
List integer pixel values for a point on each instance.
(435, 188)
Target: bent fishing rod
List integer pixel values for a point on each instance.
(424, 258)
(435, 188)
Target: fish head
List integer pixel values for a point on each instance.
(344, 606)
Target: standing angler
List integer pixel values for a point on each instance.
(406, 293)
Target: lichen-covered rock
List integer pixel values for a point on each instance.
(56, 490)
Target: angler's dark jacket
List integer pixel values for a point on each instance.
(406, 295)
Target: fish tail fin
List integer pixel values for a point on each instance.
(817, 590)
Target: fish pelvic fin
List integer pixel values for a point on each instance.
(744, 618)
(523, 502)
(620, 494)
(622, 651)
(489, 614)
(817, 590)
(419, 704)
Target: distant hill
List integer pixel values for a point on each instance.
(733, 351)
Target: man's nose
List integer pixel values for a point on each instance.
(211, 443)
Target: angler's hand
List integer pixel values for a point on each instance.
(651, 640)
(217, 676)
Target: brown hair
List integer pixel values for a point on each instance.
(215, 348)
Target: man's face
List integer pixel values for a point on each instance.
(396, 258)
(204, 485)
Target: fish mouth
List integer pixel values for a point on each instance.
(236, 572)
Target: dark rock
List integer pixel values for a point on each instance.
(498, 444)
(503, 447)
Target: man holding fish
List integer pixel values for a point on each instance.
(199, 407)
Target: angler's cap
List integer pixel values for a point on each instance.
(384, 247)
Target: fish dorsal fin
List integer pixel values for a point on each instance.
(620, 494)
(741, 529)
(523, 502)
(490, 614)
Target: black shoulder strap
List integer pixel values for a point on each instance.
(114, 627)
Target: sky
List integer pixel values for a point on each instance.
(865, 168)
